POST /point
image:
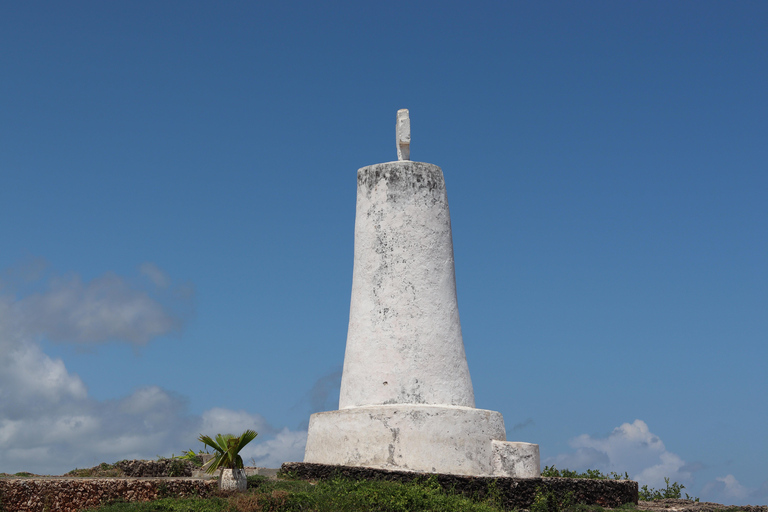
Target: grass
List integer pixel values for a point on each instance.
(340, 495)
(170, 505)
(325, 496)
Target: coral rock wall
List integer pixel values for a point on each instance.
(74, 494)
(152, 468)
(515, 493)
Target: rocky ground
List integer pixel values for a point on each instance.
(671, 505)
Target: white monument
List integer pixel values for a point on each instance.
(406, 400)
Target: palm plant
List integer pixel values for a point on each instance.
(226, 456)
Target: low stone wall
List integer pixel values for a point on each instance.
(514, 492)
(156, 468)
(74, 494)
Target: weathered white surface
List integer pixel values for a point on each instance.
(425, 438)
(520, 460)
(404, 343)
(406, 399)
(403, 134)
(233, 480)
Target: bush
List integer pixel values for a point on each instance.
(377, 496)
(594, 474)
(259, 502)
(550, 502)
(673, 491)
(256, 481)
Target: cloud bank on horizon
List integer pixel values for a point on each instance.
(49, 424)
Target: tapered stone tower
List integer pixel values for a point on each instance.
(406, 398)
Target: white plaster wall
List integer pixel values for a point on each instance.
(404, 342)
(520, 460)
(456, 440)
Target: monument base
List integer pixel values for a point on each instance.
(421, 438)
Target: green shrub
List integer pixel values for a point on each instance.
(673, 491)
(256, 481)
(331, 496)
(192, 457)
(101, 470)
(348, 496)
(177, 467)
(259, 502)
(594, 474)
(551, 502)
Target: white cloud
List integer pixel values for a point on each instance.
(732, 488)
(287, 446)
(84, 432)
(630, 448)
(30, 381)
(104, 309)
(727, 489)
(26, 373)
(227, 421)
(48, 422)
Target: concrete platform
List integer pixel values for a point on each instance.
(424, 438)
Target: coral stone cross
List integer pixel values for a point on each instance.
(403, 132)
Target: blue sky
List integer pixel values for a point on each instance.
(177, 198)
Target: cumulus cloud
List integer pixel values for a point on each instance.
(227, 421)
(79, 431)
(631, 447)
(727, 489)
(52, 429)
(30, 381)
(727, 486)
(286, 446)
(48, 422)
(104, 309)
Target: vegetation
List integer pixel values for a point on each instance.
(101, 471)
(340, 495)
(594, 474)
(332, 496)
(673, 490)
(550, 502)
(346, 496)
(193, 457)
(214, 504)
(227, 448)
